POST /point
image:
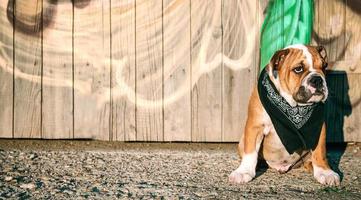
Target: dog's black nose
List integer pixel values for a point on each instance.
(316, 82)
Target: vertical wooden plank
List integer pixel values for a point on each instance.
(239, 33)
(329, 32)
(28, 63)
(176, 29)
(260, 16)
(353, 29)
(329, 26)
(149, 84)
(57, 106)
(92, 69)
(352, 126)
(6, 70)
(123, 69)
(206, 43)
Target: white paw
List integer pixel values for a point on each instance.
(327, 177)
(239, 177)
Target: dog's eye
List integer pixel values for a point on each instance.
(298, 69)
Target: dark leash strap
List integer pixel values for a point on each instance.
(299, 161)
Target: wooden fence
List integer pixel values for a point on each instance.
(154, 70)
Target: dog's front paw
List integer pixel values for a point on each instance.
(327, 176)
(239, 177)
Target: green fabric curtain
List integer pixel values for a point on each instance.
(287, 22)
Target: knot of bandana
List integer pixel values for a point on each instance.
(298, 127)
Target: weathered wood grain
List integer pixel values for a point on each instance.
(92, 70)
(177, 70)
(57, 106)
(239, 39)
(206, 42)
(352, 126)
(123, 70)
(353, 30)
(149, 70)
(28, 64)
(329, 26)
(350, 66)
(6, 73)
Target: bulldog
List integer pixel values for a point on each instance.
(285, 116)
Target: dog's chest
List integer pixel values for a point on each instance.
(273, 151)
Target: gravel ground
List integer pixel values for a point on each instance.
(46, 169)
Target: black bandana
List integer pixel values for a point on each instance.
(298, 127)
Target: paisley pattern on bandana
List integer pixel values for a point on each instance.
(297, 115)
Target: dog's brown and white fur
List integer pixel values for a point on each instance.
(291, 70)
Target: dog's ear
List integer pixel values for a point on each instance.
(323, 54)
(277, 60)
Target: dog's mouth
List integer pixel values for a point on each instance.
(307, 95)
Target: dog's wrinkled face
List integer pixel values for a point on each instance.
(298, 72)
